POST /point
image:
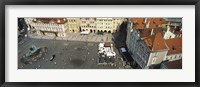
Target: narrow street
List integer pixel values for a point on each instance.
(120, 42)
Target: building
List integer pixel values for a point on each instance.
(147, 51)
(174, 21)
(116, 23)
(49, 26)
(170, 31)
(149, 48)
(73, 24)
(149, 43)
(104, 25)
(143, 23)
(175, 49)
(29, 22)
(88, 24)
(173, 32)
(172, 64)
(106, 53)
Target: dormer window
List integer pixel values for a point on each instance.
(173, 48)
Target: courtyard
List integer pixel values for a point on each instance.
(68, 55)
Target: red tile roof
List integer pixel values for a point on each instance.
(47, 20)
(139, 23)
(147, 31)
(177, 64)
(155, 22)
(156, 42)
(175, 46)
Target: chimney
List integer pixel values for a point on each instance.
(145, 20)
(152, 31)
(147, 25)
(173, 31)
(168, 27)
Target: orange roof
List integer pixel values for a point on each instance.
(147, 31)
(175, 45)
(154, 22)
(177, 64)
(156, 42)
(47, 20)
(139, 23)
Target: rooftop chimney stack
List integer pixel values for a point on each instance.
(152, 31)
(147, 25)
(168, 27)
(145, 20)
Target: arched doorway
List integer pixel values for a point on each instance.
(101, 30)
(109, 31)
(56, 34)
(105, 31)
(94, 31)
(91, 31)
(97, 30)
(83, 29)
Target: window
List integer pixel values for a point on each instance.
(154, 60)
(170, 58)
(175, 57)
(156, 53)
(170, 37)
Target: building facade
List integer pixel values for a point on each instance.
(146, 52)
(116, 23)
(175, 49)
(29, 22)
(73, 24)
(143, 23)
(173, 32)
(147, 43)
(177, 64)
(88, 24)
(104, 25)
(174, 21)
(49, 26)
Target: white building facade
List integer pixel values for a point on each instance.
(88, 24)
(104, 25)
(48, 26)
